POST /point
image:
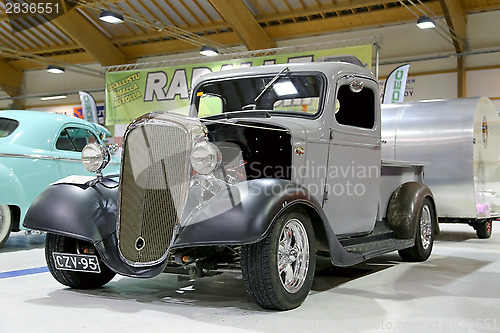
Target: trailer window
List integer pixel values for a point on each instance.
(355, 108)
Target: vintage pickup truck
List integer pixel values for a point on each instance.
(274, 166)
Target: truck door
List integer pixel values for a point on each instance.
(353, 179)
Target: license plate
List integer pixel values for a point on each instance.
(76, 262)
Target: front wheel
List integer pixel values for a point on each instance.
(78, 280)
(424, 235)
(5, 223)
(278, 271)
(483, 230)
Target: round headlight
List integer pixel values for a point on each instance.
(205, 157)
(95, 157)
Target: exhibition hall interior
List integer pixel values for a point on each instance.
(250, 165)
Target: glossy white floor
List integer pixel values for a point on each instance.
(456, 290)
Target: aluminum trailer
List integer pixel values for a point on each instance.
(459, 138)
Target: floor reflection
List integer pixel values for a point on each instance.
(19, 241)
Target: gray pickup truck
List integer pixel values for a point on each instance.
(274, 166)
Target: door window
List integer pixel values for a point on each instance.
(74, 139)
(355, 106)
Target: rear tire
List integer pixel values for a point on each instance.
(77, 280)
(424, 235)
(278, 271)
(5, 223)
(483, 230)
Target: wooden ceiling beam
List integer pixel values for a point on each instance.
(91, 39)
(457, 22)
(322, 9)
(11, 81)
(134, 51)
(391, 15)
(457, 25)
(385, 17)
(239, 18)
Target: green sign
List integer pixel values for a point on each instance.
(131, 94)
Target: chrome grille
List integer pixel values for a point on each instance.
(153, 190)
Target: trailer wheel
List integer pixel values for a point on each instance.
(483, 230)
(424, 235)
(77, 280)
(278, 271)
(5, 223)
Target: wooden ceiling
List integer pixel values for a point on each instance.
(162, 27)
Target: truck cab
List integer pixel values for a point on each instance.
(274, 166)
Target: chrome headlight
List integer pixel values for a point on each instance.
(95, 157)
(205, 157)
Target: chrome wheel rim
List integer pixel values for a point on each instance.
(293, 256)
(426, 227)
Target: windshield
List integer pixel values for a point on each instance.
(288, 93)
(7, 126)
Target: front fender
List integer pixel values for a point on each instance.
(259, 203)
(252, 208)
(78, 211)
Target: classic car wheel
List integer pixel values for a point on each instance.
(278, 271)
(78, 280)
(424, 235)
(483, 230)
(5, 223)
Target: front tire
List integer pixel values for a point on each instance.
(483, 230)
(5, 223)
(424, 235)
(77, 280)
(278, 271)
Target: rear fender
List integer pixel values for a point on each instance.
(404, 208)
(79, 211)
(12, 192)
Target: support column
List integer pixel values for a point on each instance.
(461, 77)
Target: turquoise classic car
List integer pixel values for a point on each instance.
(37, 149)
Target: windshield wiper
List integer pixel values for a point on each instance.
(239, 114)
(270, 83)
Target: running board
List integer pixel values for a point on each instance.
(376, 248)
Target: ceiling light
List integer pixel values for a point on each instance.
(209, 51)
(48, 98)
(55, 69)
(110, 17)
(425, 22)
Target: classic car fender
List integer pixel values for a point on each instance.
(249, 220)
(404, 207)
(12, 192)
(79, 211)
(86, 212)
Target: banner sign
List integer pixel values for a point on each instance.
(78, 113)
(89, 107)
(130, 94)
(394, 89)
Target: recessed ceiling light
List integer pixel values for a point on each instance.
(110, 17)
(209, 51)
(55, 69)
(425, 22)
